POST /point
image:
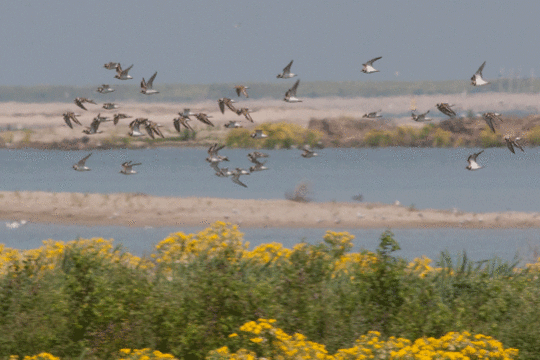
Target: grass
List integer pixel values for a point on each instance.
(195, 291)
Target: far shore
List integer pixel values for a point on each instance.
(140, 210)
(41, 125)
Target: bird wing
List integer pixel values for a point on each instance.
(67, 118)
(479, 72)
(370, 62)
(510, 146)
(238, 90)
(176, 123)
(287, 69)
(80, 104)
(83, 160)
(150, 82)
(489, 121)
(125, 72)
(236, 180)
(221, 103)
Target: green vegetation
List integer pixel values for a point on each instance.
(281, 135)
(195, 292)
(533, 136)
(490, 139)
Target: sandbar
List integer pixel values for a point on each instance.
(140, 210)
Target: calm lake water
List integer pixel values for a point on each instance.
(425, 178)
(479, 244)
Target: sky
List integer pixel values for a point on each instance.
(216, 41)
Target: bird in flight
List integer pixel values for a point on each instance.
(286, 74)
(473, 165)
(146, 87)
(241, 89)
(489, 117)
(477, 79)
(511, 142)
(80, 166)
(446, 109)
(368, 66)
(123, 74)
(290, 95)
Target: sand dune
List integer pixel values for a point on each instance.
(140, 210)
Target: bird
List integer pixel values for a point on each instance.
(80, 166)
(81, 100)
(127, 168)
(233, 125)
(111, 65)
(290, 95)
(153, 128)
(187, 112)
(245, 112)
(477, 79)
(445, 108)
(123, 74)
(214, 158)
(257, 167)
(258, 134)
(489, 117)
(223, 172)
(118, 117)
(93, 129)
(373, 115)
(69, 117)
(286, 74)
(420, 117)
(241, 89)
(134, 127)
(308, 153)
(511, 142)
(226, 102)
(255, 155)
(473, 165)
(182, 120)
(146, 87)
(368, 66)
(236, 176)
(202, 117)
(104, 89)
(110, 106)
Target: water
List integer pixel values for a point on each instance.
(425, 178)
(479, 244)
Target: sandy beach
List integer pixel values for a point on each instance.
(139, 210)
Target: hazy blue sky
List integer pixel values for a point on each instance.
(67, 42)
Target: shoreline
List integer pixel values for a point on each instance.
(339, 121)
(140, 210)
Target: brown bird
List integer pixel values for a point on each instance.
(245, 112)
(511, 142)
(202, 117)
(80, 100)
(445, 108)
(153, 128)
(226, 102)
(241, 89)
(69, 117)
(489, 117)
(182, 120)
(118, 117)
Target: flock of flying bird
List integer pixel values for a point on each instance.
(152, 128)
